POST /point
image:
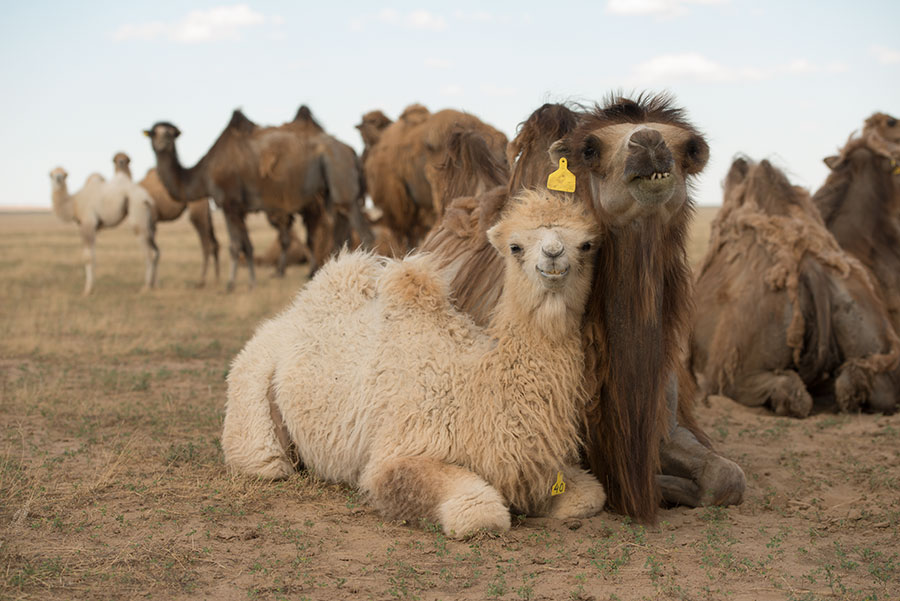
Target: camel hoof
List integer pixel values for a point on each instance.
(851, 388)
(790, 399)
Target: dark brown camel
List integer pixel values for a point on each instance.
(632, 160)
(860, 204)
(785, 315)
(286, 170)
(169, 209)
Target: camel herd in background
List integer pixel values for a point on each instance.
(799, 294)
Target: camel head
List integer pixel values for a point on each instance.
(885, 126)
(633, 158)
(121, 163)
(58, 177)
(548, 242)
(372, 125)
(162, 136)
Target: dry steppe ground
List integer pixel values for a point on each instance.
(112, 484)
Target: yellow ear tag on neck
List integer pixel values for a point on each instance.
(562, 180)
(560, 486)
(896, 167)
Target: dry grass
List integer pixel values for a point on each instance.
(112, 483)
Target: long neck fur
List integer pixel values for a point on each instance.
(633, 332)
(531, 385)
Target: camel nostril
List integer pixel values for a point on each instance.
(553, 250)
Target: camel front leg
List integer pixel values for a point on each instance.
(693, 474)
(583, 497)
(414, 488)
(88, 238)
(201, 218)
(239, 243)
(147, 237)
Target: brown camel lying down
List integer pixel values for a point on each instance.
(860, 203)
(632, 161)
(784, 316)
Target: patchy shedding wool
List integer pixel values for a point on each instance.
(382, 384)
(860, 204)
(770, 231)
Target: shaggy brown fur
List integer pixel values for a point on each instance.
(860, 204)
(817, 326)
(294, 168)
(638, 309)
(411, 165)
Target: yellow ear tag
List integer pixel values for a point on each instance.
(560, 486)
(896, 167)
(562, 180)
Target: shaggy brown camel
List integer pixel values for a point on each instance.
(786, 315)
(407, 165)
(169, 209)
(285, 170)
(632, 161)
(860, 204)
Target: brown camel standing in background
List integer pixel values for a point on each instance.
(786, 316)
(403, 160)
(860, 204)
(169, 209)
(632, 161)
(294, 168)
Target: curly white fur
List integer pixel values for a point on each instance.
(383, 385)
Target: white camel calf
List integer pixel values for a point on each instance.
(372, 378)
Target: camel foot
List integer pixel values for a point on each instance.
(851, 388)
(584, 496)
(696, 476)
(788, 396)
(473, 509)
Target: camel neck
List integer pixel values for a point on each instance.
(183, 184)
(63, 204)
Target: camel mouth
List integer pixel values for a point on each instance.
(552, 275)
(654, 189)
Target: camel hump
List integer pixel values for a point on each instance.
(414, 114)
(239, 122)
(415, 284)
(304, 116)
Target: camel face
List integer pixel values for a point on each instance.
(552, 250)
(58, 176)
(371, 126)
(121, 161)
(885, 125)
(637, 170)
(162, 136)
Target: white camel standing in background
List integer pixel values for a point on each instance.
(372, 378)
(105, 203)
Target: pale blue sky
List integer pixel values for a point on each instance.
(783, 80)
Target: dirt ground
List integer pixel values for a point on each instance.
(112, 484)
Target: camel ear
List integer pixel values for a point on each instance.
(557, 150)
(494, 236)
(832, 162)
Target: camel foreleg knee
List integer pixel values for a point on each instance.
(583, 497)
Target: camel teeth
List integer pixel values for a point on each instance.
(660, 175)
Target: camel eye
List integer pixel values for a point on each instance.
(515, 249)
(586, 247)
(891, 122)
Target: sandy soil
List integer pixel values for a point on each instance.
(112, 484)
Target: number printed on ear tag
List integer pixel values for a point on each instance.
(562, 180)
(560, 486)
